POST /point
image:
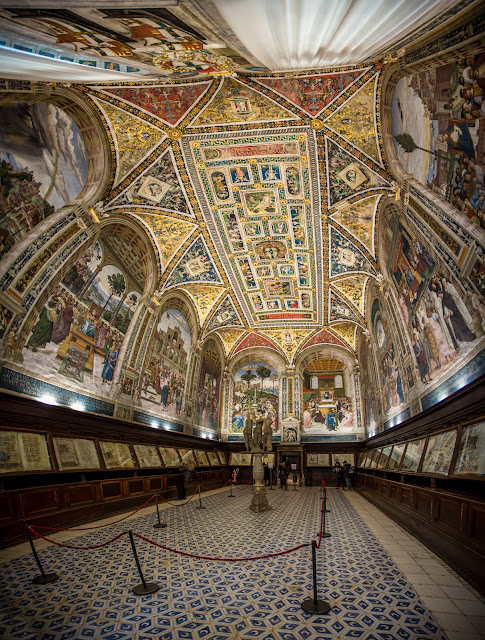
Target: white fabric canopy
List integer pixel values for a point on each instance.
(288, 35)
(22, 65)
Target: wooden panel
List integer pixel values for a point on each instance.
(135, 486)
(111, 489)
(423, 503)
(477, 525)
(154, 483)
(393, 492)
(7, 509)
(81, 493)
(407, 496)
(449, 512)
(39, 501)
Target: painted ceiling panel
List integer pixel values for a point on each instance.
(259, 194)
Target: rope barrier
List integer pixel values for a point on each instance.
(71, 546)
(321, 525)
(192, 555)
(181, 504)
(101, 525)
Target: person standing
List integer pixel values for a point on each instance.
(283, 476)
(180, 482)
(346, 475)
(338, 470)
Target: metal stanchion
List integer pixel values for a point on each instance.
(230, 484)
(44, 577)
(271, 479)
(295, 482)
(315, 605)
(200, 505)
(158, 525)
(325, 496)
(324, 534)
(145, 587)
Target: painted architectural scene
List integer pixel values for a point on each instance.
(165, 374)
(328, 406)
(442, 110)
(208, 392)
(256, 393)
(43, 165)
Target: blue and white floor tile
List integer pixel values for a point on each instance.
(370, 597)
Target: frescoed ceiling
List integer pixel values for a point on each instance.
(263, 214)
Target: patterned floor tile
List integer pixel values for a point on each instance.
(370, 598)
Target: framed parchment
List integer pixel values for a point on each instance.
(396, 455)
(222, 457)
(23, 452)
(412, 455)
(375, 459)
(437, 458)
(213, 458)
(471, 452)
(384, 459)
(76, 453)
(147, 455)
(269, 458)
(188, 457)
(117, 454)
(241, 459)
(318, 459)
(202, 459)
(170, 457)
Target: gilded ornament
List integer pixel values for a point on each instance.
(302, 136)
(175, 134)
(252, 161)
(201, 165)
(316, 124)
(303, 159)
(257, 185)
(211, 63)
(196, 145)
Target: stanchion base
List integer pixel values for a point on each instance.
(324, 534)
(327, 511)
(231, 496)
(141, 590)
(45, 579)
(160, 525)
(201, 507)
(319, 607)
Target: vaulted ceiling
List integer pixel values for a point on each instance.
(259, 189)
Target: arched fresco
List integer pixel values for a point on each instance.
(256, 391)
(165, 373)
(208, 390)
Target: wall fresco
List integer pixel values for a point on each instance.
(442, 110)
(256, 390)
(165, 374)
(208, 391)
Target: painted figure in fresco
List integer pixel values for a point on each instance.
(110, 360)
(165, 395)
(62, 325)
(42, 332)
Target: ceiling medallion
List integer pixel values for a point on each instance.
(196, 61)
(316, 124)
(175, 134)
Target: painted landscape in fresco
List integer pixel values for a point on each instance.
(165, 373)
(77, 337)
(255, 391)
(43, 165)
(208, 393)
(443, 111)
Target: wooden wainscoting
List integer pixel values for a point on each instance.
(451, 524)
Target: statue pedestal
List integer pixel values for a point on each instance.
(259, 501)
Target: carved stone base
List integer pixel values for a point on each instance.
(259, 500)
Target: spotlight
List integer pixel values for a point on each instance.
(154, 424)
(78, 406)
(47, 398)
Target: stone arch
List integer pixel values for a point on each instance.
(79, 108)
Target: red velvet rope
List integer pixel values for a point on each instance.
(192, 555)
(180, 504)
(108, 524)
(71, 546)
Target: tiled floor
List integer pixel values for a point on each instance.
(382, 584)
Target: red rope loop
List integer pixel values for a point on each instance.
(101, 525)
(193, 555)
(71, 546)
(180, 504)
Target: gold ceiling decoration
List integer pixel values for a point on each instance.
(322, 365)
(199, 61)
